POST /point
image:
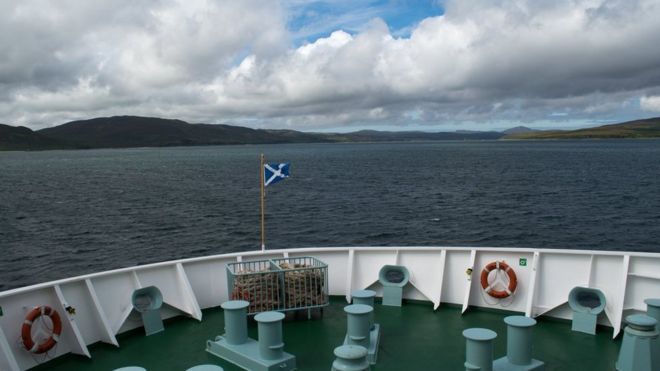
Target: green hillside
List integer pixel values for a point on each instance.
(647, 128)
(20, 138)
(135, 131)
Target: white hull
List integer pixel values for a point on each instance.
(438, 275)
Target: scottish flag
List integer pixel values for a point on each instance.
(273, 173)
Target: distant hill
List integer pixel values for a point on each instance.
(518, 130)
(408, 136)
(20, 138)
(135, 131)
(647, 128)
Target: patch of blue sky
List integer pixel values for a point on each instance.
(311, 20)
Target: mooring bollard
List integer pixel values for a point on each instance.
(519, 343)
(519, 339)
(270, 335)
(234, 346)
(653, 310)
(358, 324)
(479, 349)
(636, 349)
(350, 358)
(365, 297)
(235, 321)
(207, 367)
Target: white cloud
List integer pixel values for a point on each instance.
(229, 61)
(530, 58)
(651, 104)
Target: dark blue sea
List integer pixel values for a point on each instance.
(65, 213)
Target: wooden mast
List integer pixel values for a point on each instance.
(263, 232)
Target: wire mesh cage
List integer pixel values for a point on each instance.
(279, 284)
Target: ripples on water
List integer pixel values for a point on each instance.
(66, 213)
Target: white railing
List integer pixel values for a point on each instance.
(438, 275)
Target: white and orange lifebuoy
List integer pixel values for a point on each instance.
(26, 330)
(509, 289)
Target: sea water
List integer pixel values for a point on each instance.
(64, 213)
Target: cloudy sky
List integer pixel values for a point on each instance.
(332, 65)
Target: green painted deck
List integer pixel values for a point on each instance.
(413, 337)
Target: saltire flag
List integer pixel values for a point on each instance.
(273, 173)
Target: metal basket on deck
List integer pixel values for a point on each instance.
(279, 284)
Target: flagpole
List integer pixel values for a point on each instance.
(263, 232)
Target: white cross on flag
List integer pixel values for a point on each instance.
(273, 173)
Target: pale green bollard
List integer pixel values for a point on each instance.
(479, 349)
(234, 346)
(235, 321)
(519, 339)
(518, 346)
(207, 367)
(270, 335)
(350, 358)
(636, 350)
(365, 297)
(358, 326)
(653, 310)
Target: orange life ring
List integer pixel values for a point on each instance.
(500, 294)
(26, 330)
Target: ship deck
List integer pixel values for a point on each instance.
(413, 337)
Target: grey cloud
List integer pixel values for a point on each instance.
(483, 61)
